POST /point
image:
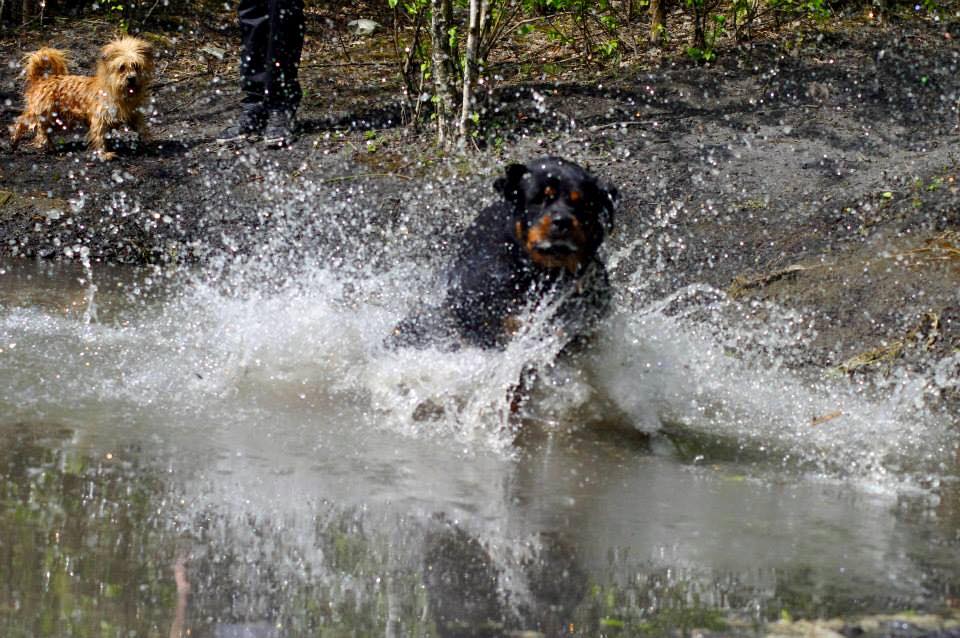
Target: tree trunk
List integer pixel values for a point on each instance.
(28, 9)
(443, 67)
(470, 65)
(699, 25)
(405, 61)
(658, 22)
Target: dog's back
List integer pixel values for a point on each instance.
(490, 280)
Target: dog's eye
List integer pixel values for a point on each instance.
(123, 68)
(549, 192)
(575, 197)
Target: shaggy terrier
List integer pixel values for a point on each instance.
(56, 101)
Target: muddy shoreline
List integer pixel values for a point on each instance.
(821, 173)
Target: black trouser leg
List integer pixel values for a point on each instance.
(254, 34)
(286, 44)
(272, 37)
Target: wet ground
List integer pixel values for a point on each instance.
(163, 461)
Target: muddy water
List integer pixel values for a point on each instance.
(223, 455)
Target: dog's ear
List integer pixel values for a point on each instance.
(510, 184)
(108, 53)
(610, 197)
(145, 49)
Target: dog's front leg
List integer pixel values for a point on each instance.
(17, 131)
(97, 139)
(139, 123)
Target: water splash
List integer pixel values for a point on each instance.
(90, 294)
(695, 364)
(274, 324)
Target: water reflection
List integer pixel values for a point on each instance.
(81, 539)
(591, 540)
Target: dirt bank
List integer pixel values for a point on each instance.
(818, 171)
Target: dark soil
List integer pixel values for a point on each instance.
(819, 170)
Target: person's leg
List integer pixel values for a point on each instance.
(254, 19)
(283, 90)
(255, 27)
(283, 51)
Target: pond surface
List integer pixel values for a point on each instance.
(215, 454)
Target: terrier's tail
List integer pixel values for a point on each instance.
(44, 63)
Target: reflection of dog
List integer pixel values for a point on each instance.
(541, 239)
(56, 101)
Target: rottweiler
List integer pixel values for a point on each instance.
(539, 240)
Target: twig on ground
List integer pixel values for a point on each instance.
(150, 12)
(926, 329)
(344, 178)
(742, 283)
(824, 418)
(327, 65)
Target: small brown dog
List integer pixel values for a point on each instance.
(56, 101)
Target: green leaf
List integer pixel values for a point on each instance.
(612, 622)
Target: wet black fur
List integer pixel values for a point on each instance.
(492, 277)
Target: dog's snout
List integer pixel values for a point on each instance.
(561, 221)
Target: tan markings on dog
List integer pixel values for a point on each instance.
(512, 325)
(540, 232)
(110, 99)
(574, 197)
(537, 233)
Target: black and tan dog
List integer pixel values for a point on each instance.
(540, 240)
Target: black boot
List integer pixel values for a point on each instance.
(280, 130)
(250, 124)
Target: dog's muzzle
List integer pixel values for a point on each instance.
(557, 234)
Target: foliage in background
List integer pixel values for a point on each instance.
(127, 14)
(597, 32)
(592, 28)
(707, 28)
(443, 47)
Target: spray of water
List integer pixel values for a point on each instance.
(296, 314)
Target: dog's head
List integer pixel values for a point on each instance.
(126, 67)
(562, 212)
